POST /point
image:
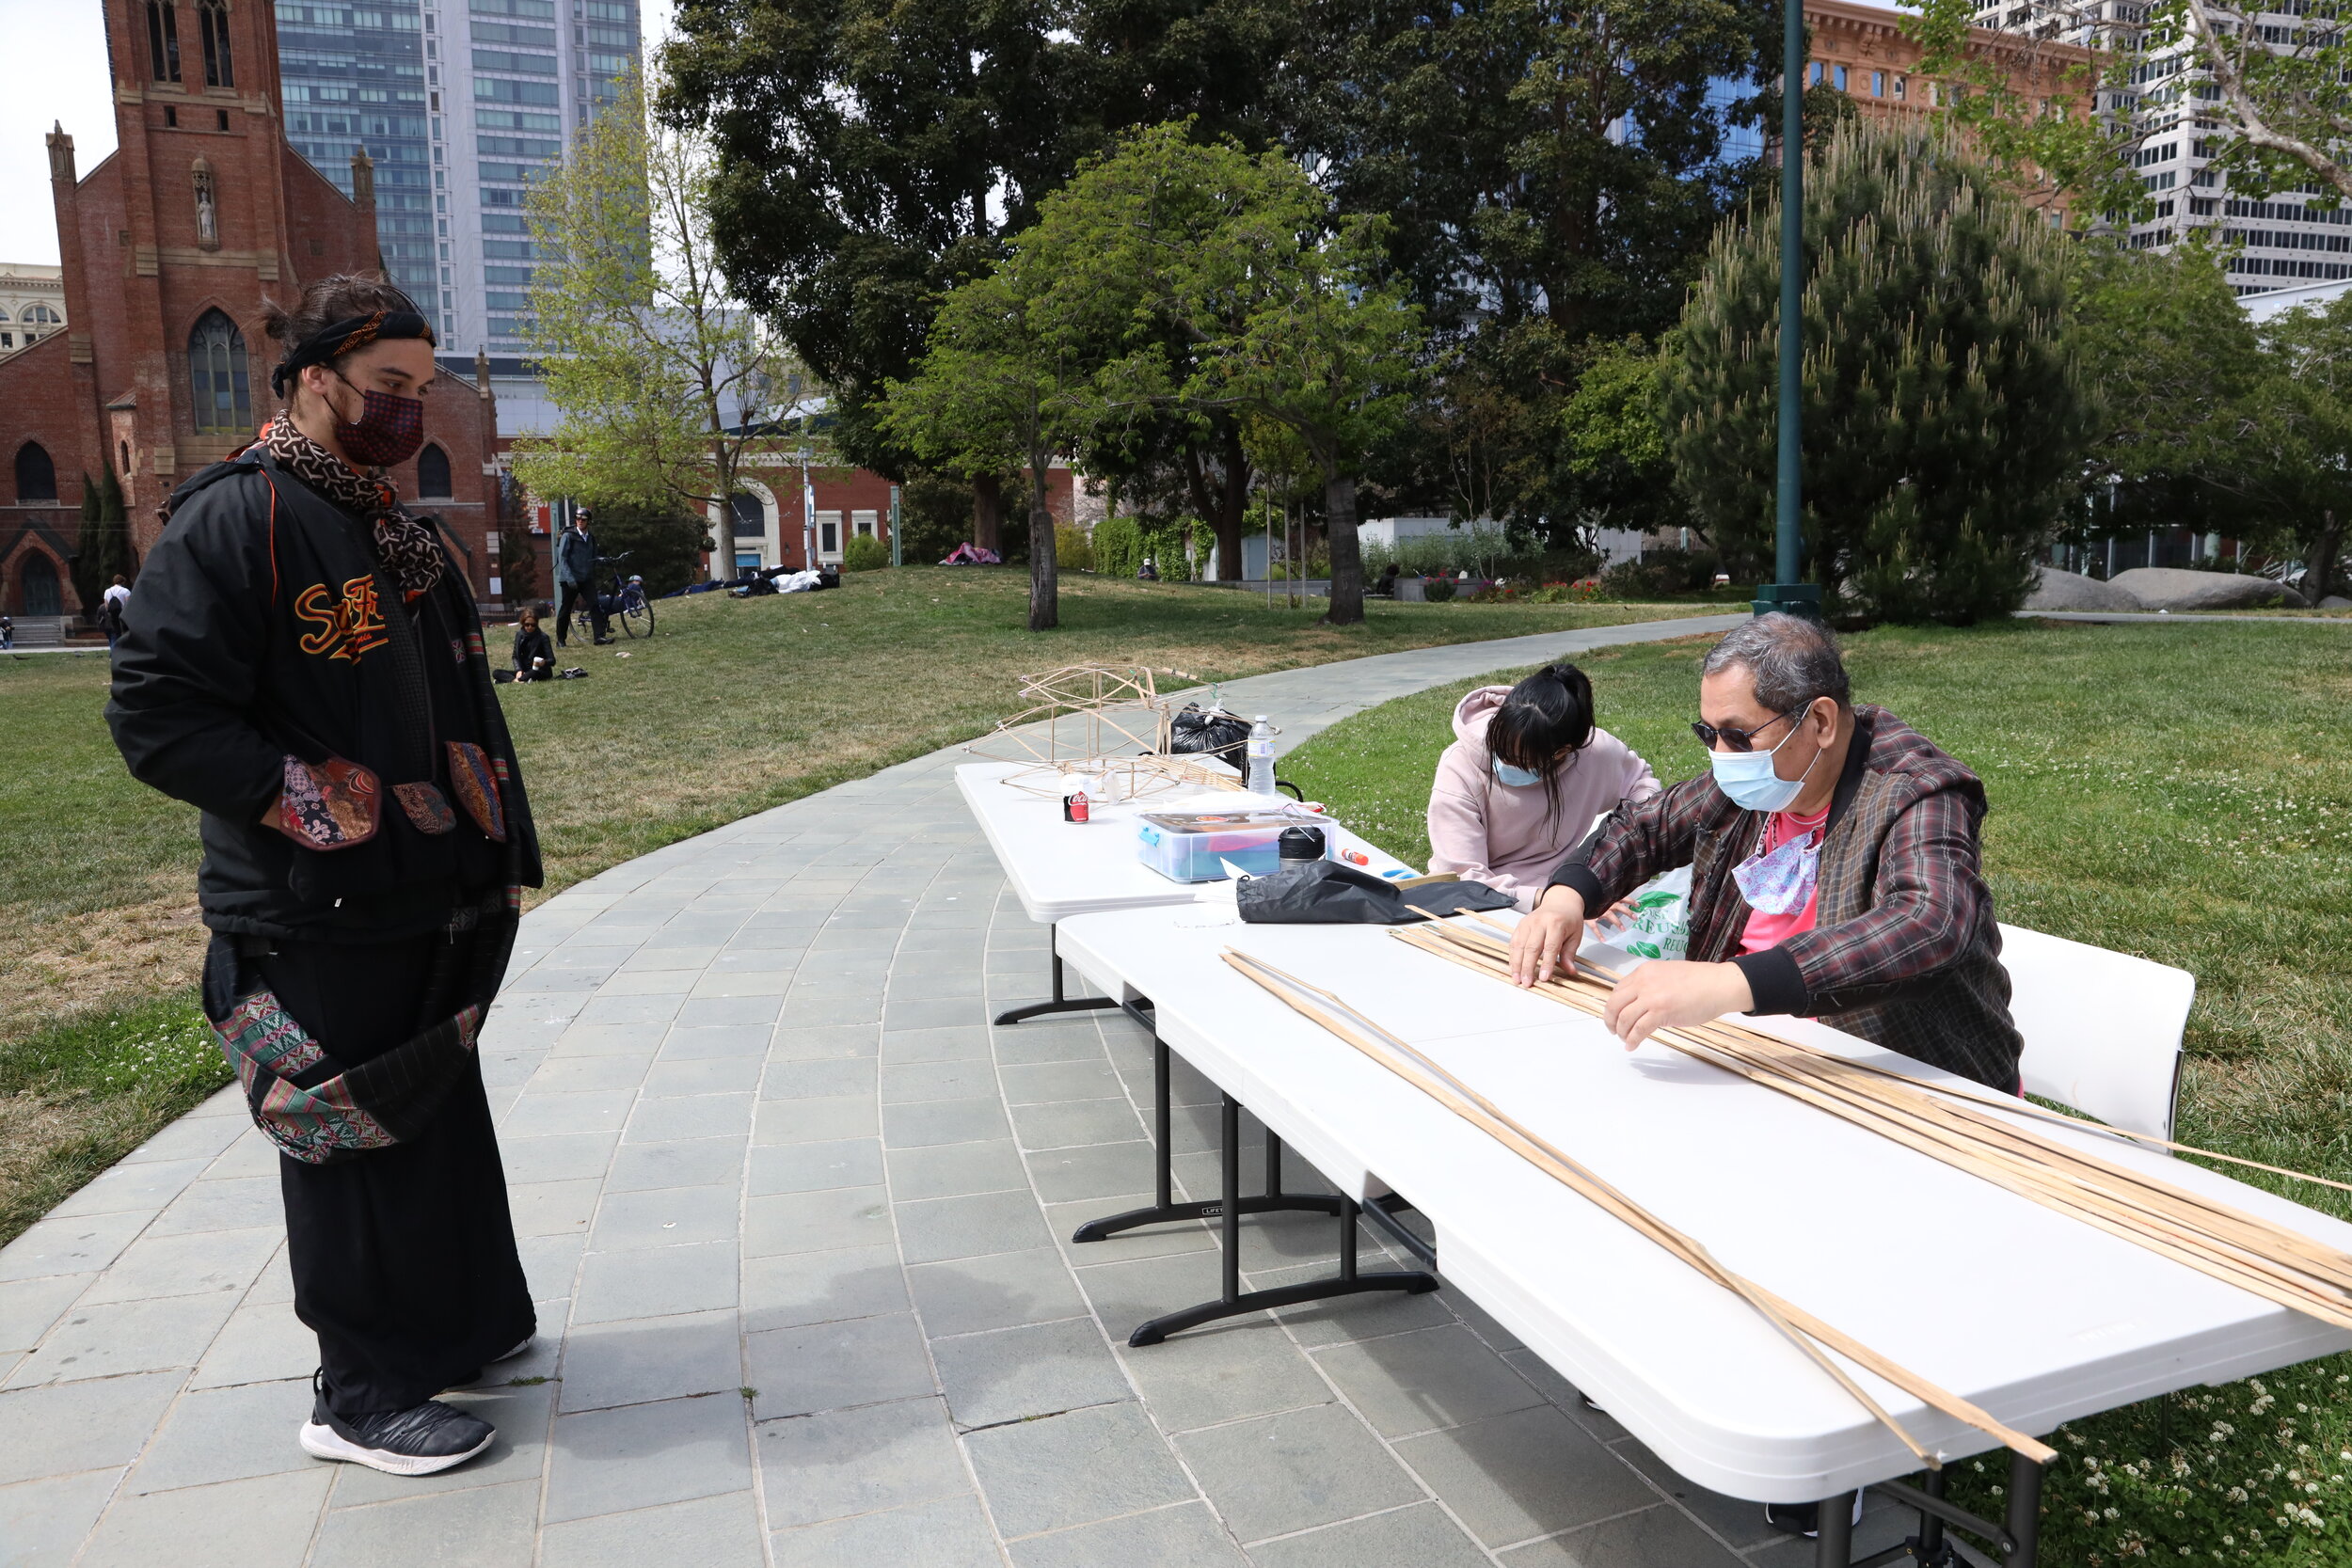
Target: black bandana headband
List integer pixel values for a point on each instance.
(333, 342)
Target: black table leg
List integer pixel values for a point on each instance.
(2024, 1510)
(1836, 1538)
(1931, 1549)
(1061, 1002)
(1234, 1301)
(2015, 1540)
(1164, 1208)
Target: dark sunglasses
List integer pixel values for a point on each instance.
(1736, 740)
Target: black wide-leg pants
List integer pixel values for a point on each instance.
(403, 1257)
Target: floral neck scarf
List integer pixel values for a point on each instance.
(405, 547)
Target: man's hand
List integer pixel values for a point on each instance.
(1668, 993)
(1545, 943)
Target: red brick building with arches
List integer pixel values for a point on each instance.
(170, 247)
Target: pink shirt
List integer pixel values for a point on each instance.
(1769, 930)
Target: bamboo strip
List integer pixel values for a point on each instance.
(1978, 1096)
(1802, 1328)
(2272, 1261)
(1784, 1056)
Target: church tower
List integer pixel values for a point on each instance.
(171, 249)
(203, 213)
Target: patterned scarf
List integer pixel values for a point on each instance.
(403, 546)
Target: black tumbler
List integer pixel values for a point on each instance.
(1301, 844)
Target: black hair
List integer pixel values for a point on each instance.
(1547, 718)
(325, 301)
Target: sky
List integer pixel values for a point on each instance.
(65, 80)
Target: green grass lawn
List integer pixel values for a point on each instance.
(2179, 792)
(736, 705)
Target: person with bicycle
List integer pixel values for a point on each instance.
(576, 581)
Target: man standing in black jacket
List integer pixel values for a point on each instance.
(304, 663)
(575, 580)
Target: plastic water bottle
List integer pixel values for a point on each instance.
(1261, 776)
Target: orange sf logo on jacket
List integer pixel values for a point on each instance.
(348, 628)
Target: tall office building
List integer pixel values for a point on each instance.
(356, 78)
(459, 103)
(2282, 243)
(508, 80)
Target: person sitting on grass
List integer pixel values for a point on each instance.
(1526, 774)
(535, 656)
(1835, 870)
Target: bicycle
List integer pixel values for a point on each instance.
(624, 601)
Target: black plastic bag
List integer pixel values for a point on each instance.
(1224, 735)
(1325, 892)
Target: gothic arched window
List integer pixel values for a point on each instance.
(35, 476)
(212, 17)
(163, 39)
(216, 375)
(433, 474)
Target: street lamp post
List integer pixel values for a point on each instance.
(1788, 593)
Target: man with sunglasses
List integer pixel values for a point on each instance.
(1835, 870)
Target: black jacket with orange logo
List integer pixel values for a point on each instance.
(263, 630)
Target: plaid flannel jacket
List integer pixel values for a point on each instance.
(1903, 950)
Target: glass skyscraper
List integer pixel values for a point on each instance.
(356, 77)
(460, 104)
(508, 80)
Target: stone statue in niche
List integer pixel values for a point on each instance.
(207, 213)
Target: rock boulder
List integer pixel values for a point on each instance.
(2057, 590)
(2176, 588)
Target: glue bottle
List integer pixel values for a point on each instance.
(1260, 777)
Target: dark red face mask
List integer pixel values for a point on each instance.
(389, 430)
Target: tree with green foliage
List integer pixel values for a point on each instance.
(870, 157)
(2213, 420)
(1208, 280)
(1612, 438)
(1943, 421)
(1004, 383)
(102, 549)
(1490, 137)
(668, 390)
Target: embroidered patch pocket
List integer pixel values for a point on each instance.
(428, 809)
(328, 805)
(472, 776)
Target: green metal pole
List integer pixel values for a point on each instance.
(1788, 593)
(896, 558)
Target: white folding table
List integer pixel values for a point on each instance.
(2050, 1321)
(1060, 869)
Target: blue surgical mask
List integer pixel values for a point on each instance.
(1748, 779)
(1518, 778)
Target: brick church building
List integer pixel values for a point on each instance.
(171, 247)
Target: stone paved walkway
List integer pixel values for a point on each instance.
(796, 1217)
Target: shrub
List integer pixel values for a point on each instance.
(1943, 422)
(1438, 589)
(1118, 546)
(1072, 551)
(864, 553)
(1661, 575)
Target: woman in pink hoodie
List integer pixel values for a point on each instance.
(1526, 773)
